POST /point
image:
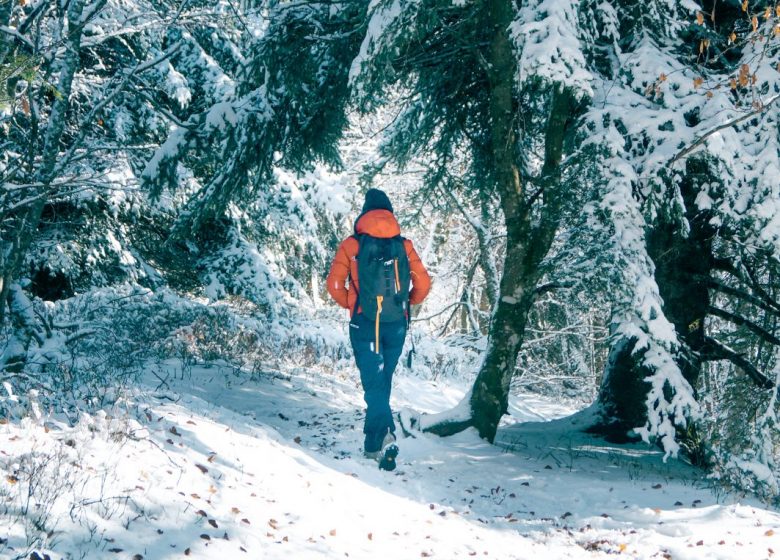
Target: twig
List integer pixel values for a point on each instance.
(701, 139)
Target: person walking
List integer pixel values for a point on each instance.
(377, 275)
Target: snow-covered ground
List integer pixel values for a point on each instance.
(217, 466)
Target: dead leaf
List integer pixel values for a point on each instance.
(12, 479)
(297, 439)
(213, 523)
(202, 469)
(245, 520)
(332, 532)
(235, 510)
(205, 537)
(187, 552)
(769, 533)
(657, 486)
(115, 550)
(191, 422)
(273, 523)
(212, 457)
(201, 513)
(174, 431)
(371, 536)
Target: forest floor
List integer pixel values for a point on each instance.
(208, 464)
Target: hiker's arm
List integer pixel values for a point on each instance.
(421, 281)
(337, 278)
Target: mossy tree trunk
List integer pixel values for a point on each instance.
(527, 242)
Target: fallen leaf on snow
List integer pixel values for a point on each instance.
(213, 523)
(202, 469)
(769, 533)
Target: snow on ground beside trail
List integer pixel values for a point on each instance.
(217, 466)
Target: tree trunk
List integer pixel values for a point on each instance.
(682, 264)
(527, 244)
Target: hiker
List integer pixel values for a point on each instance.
(381, 262)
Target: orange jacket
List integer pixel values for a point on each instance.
(343, 277)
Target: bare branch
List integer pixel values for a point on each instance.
(714, 350)
(742, 322)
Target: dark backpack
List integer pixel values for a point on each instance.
(383, 277)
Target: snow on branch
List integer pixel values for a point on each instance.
(546, 35)
(638, 312)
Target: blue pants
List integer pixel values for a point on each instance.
(376, 367)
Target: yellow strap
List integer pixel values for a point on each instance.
(397, 278)
(379, 300)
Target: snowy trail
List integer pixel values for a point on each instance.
(272, 469)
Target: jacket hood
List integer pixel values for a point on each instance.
(378, 223)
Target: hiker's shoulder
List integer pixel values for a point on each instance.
(409, 246)
(350, 245)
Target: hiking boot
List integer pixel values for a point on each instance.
(388, 453)
(372, 455)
